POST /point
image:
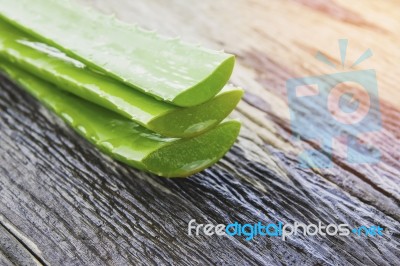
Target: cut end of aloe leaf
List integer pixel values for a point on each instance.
(189, 156)
(207, 88)
(188, 122)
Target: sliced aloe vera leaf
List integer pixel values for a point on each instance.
(168, 69)
(71, 75)
(126, 140)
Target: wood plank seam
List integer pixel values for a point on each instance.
(17, 235)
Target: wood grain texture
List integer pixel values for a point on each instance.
(65, 203)
(12, 251)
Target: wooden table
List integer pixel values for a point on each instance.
(64, 203)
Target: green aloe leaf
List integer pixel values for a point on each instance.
(126, 140)
(168, 69)
(71, 75)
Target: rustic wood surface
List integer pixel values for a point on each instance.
(64, 203)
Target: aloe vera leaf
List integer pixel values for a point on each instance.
(168, 69)
(126, 140)
(69, 74)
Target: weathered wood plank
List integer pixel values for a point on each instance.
(13, 252)
(82, 208)
(79, 207)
